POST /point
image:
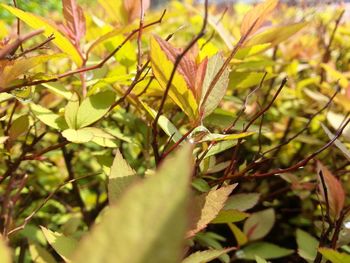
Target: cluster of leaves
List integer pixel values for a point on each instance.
(95, 101)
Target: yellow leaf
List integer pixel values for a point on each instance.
(115, 10)
(37, 22)
(179, 91)
(253, 20)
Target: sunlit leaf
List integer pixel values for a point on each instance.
(254, 19)
(94, 108)
(40, 254)
(48, 117)
(133, 8)
(75, 19)
(5, 253)
(179, 91)
(71, 110)
(78, 136)
(338, 143)
(242, 80)
(150, 217)
(229, 216)
(219, 89)
(37, 22)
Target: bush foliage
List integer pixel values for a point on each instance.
(197, 133)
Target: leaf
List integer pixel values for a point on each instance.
(78, 136)
(58, 89)
(334, 256)
(264, 250)
(243, 80)
(37, 22)
(71, 110)
(254, 19)
(335, 191)
(276, 35)
(260, 260)
(115, 10)
(5, 253)
(64, 246)
(206, 255)
(133, 8)
(209, 206)
(241, 238)
(242, 202)
(12, 70)
(307, 245)
(40, 254)
(48, 117)
(94, 108)
(220, 147)
(75, 19)
(219, 90)
(167, 126)
(102, 137)
(229, 216)
(259, 224)
(336, 121)
(180, 91)
(120, 178)
(151, 217)
(336, 75)
(18, 127)
(337, 143)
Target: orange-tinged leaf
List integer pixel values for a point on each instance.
(75, 19)
(133, 8)
(209, 205)
(254, 19)
(335, 191)
(37, 22)
(162, 67)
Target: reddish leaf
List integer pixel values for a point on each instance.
(75, 20)
(253, 20)
(133, 8)
(335, 191)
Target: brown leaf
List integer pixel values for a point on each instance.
(75, 20)
(335, 191)
(206, 207)
(133, 8)
(253, 20)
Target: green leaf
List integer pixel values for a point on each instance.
(179, 91)
(167, 126)
(115, 9)
(337, 142)
(94, 108)
(206, 255)
(5, 253)
(220, 147)
(120, 178)
(219, 90)
(71, 110)
(276, 35)
(243, 80)
(241, 238)
(78, 136)
(307, 245)
(242, 202)
(59, 89)
(101, 137)
(260, 260)
(64, 246)
(40, 254)
(208, 207)
(259, 224)
(222, 137)
(334, 256)
(264, 250)
(36, 22)
(247, 51)
(150, 217)
(229, 216)
(48, 117)
(18, 127)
